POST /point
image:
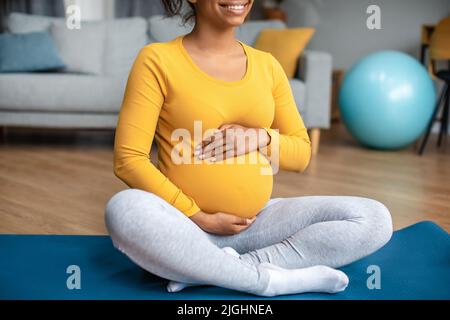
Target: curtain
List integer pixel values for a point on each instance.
(142, 8)
(41, 7)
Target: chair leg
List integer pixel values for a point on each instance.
(444, 119)
(315, 140)
(423, 50)
(433, 117)
(447, 114)
(4, 133)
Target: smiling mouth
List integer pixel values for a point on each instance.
(235, 7)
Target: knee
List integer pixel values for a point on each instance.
(123, 209)
(116, 207)
(378, 222)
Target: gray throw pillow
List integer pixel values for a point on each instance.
(25, 23)
(124, 40)
(82, 49)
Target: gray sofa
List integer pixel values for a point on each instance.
(82, 101)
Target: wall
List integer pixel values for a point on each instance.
(341, 25)
(94, 9)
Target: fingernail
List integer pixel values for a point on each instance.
(201, 156)
(213, 159)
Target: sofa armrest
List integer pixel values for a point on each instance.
(315, 69)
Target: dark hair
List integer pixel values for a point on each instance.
(174, 8)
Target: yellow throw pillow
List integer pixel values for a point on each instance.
(285, 45)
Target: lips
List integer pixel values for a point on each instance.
(234, 6)
(235, 3)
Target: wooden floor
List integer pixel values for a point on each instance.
(58, 182)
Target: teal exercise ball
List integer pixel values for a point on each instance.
(387, 100)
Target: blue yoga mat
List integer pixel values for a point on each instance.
(415, 264)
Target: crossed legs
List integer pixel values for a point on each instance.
(288, 249)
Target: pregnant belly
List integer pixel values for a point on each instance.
(237, 188)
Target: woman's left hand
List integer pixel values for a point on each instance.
(231, 140)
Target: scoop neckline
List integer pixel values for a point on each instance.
(211, 78)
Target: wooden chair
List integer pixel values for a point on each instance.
(439, 50)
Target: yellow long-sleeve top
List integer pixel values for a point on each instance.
(167, 91)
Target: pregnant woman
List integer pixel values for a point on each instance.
(197, 218)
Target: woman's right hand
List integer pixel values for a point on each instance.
(221, 223)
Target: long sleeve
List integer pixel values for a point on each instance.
(144, 96)
(292, 140)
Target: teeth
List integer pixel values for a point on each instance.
(235, 7)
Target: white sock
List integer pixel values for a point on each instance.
(174, 286)
(312, 279)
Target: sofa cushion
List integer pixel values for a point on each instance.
(34, 51)
(249, 31)
(60, 92)
(163, 29)
(78, 93)
(125, 37)
(82, 49)
(298, 88)
(24, 23)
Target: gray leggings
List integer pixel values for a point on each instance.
(293, 232)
